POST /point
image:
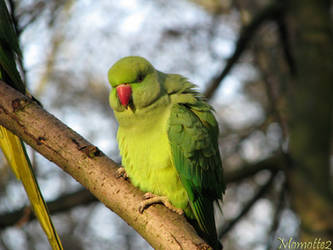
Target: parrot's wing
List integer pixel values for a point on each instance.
(193, 132)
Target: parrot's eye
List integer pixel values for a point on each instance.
(140, 77)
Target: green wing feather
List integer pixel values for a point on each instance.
(9, 50)
(193, 134)
(12, 146)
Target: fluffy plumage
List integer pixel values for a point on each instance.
(167, 138)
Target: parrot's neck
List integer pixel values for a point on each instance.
(145, 118)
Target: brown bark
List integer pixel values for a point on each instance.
(162, 228)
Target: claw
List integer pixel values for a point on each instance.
(150, 199)
(121, 173)
(148, 195)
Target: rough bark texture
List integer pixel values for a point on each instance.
(162, 228)
(310, 117)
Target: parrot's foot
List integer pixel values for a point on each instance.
(150, 199)
(121, 173)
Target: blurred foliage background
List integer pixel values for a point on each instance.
(265, 66)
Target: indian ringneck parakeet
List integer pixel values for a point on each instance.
(167, 138)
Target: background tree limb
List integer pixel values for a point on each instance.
(61, 204)
(310, 116)
(83, 196)
(246, 35)
(162, 228)
(277, 162)
(263, 189)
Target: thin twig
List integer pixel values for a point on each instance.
(248, 32)
(277, 215)
(284, 38)
(274, 100)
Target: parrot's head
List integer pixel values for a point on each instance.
(135, 84)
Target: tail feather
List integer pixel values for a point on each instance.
(204, 224)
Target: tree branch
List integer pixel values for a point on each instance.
(247, 33)
(89, 166)
(310, 116)
(83, 197)
(277, 162)
(61, 204)
(284, 38)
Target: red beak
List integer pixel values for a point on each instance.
(124, 92)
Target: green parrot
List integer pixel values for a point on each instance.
(167, 138)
